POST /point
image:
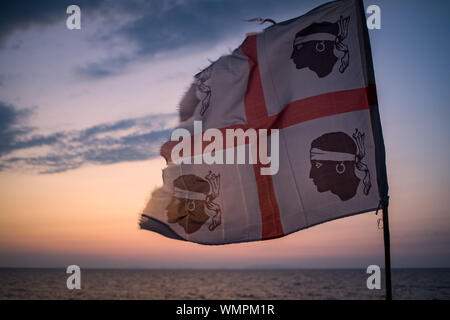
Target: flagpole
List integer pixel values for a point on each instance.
(387, 253)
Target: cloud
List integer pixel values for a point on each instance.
(158, 27)
(10, 131)
(23, 14)
(131, 139)
(150, 26)
(105, 68)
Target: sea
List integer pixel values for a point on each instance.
(341, 284)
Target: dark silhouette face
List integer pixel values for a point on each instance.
(333, 165)
(337, 177)
(190, 214)
(320, 45)
(318, 56)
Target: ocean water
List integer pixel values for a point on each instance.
(221, 284)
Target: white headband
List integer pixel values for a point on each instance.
(321, 155)
(314, 37)
(186, 194)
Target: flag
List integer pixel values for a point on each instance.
(309, 82)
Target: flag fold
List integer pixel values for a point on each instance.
(309, 82)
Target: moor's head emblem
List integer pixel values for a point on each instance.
(203, 89)
(334, 158)
(192, 203)
(320, 45)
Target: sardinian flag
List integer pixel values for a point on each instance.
(308, 83)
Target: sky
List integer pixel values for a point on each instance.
(83, 113)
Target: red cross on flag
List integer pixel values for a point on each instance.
(280, 135)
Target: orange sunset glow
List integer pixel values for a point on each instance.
(68, 195)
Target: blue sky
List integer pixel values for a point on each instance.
(47, 69)
(108, 93)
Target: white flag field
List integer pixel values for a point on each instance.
(280, 135)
